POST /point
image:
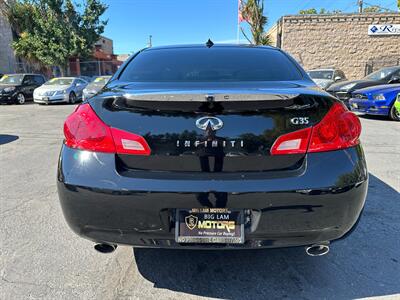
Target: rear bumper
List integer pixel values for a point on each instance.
(369, 107)
(321, 201)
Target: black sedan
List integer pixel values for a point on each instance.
(343, 90)
(18, 88)
(212, 147)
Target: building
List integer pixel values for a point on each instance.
(7, 58)
(105, 44)
(103, 61)
(123, 57)
(346, 41)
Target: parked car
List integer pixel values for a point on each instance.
(324, 78)
(212, 146)
(343, 90)
(376, 100)
(397, 104)
(95, 86)
(61, 89)
(87, 78)
(18, 88)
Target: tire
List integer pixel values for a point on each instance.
(394, 114)
(72, 98)
(20, 99)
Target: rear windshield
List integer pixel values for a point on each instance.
(216, 64)
(321, 74)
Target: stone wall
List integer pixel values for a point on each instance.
(340, 41)
(7, 57)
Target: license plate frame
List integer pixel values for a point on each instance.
(209, 226)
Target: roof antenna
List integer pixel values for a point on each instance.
(209, 43)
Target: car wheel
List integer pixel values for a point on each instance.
(72, 98)
(20, 98)
(394, 113)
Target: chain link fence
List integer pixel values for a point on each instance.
(73, 68)
(92, 68)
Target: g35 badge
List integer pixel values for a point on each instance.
(300, 120)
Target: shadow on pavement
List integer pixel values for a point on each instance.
(6, 138)
(365, 264)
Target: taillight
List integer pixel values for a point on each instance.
(339, 129)
(84, 130)
(292, 143)
(129, 143)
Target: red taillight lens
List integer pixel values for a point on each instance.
(84, 130)
(339, 129)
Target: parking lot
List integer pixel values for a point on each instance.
(42, 258)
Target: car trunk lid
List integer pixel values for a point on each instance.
(193, 129)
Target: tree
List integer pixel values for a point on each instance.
(322, 11)
(49, 32)
(311, 11)
(373, 9)
(252, 13)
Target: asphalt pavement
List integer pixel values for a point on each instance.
(40, 258)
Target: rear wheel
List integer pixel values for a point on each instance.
(20, 98)
(72, 98)
(394, 114)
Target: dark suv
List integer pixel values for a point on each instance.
(18, 88)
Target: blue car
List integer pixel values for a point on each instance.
(376, 100)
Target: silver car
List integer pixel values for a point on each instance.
(61, 89)
(324, 78)
(95, 86)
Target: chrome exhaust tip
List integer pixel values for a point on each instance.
(105, 248)
(317, 249)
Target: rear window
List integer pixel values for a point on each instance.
(216, 64)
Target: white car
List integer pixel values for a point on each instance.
(324, 78)
(61, 89)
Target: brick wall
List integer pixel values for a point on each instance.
(340, 41)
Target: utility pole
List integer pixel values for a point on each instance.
(360, 6)
(150, 42)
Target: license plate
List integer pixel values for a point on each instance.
(46, 98)
(209, 225)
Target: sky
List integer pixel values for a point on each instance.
(130, 22)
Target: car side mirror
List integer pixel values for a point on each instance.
(337, 78)
(394, 79)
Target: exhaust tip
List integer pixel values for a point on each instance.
(317, 249)
(105, 248)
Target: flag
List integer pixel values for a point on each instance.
(240, 16)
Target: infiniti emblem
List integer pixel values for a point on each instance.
(212, 122)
